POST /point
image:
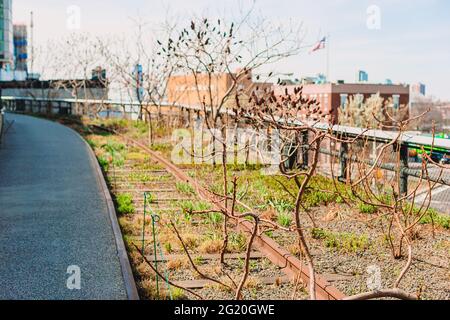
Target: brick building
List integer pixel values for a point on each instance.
(331, 96)
(192, 91)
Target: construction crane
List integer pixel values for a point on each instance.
(32, 43)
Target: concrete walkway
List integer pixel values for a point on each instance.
(53, 215)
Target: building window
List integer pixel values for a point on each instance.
(344, 100)
(359, 99)
(396, 101)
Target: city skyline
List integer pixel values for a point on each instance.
(391, 45)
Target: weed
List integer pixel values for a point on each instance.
(126, 226)
(317, 198)
(187, 216)
(237, 241)
(103, 163)
(137, 156)
(347, 241)
(318, 234)
(125, 204)
(190, 240)
(433, 217)
(269, 234)
(191, 206)
(185, 188)
(113, 147)
(199, 260)
(115, 124)
(91, 143)
(168, 247)
(210, 246)
(367, 208)
(281, 206)
(141, 126)
(161, 147)
(253, 265)
(178, 294)
(215, 218)
(294, 249)
(252, 283)
(174, 264)
(119, 161)
(284, 219)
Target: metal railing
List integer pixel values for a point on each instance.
(2, 120)
(404, 141)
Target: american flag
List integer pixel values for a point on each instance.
(319, 46)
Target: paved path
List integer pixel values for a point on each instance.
(52, 216)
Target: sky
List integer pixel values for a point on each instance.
(407, 41)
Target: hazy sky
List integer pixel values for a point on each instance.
(412, 43)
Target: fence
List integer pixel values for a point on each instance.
(89, 107)
(1, 124)
(409, 172)
(36, 105)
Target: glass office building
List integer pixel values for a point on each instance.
(6, 35)
(20, 47)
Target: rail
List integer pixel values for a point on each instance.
(404, 141)
(1, 124)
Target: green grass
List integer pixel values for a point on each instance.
(103, 163)
(318, 234)
(185, 188)
(125, 204)
(141, 177)
(114, 124)
(215, 218)
(191, 206)
(347, 242)
(115, 151)
(261, 189)
(161, 147)
(177, 294)
(315, 198)
(237, 241)
(284, 219)
(141, 126)
(367, 208)
(137, 156)
(281, 206)
(433, 217)
(91, 143)
(113, 147)
(168, 247)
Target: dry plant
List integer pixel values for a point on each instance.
(207, 52)
(294, 118)
(71, 60)
(398, 209)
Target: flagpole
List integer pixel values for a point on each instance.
(328, 58)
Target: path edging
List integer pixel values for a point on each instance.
(127, 273)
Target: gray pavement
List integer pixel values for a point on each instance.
(53, 216)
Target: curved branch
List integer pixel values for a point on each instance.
(384, 293)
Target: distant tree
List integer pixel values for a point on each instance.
(359, 113)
